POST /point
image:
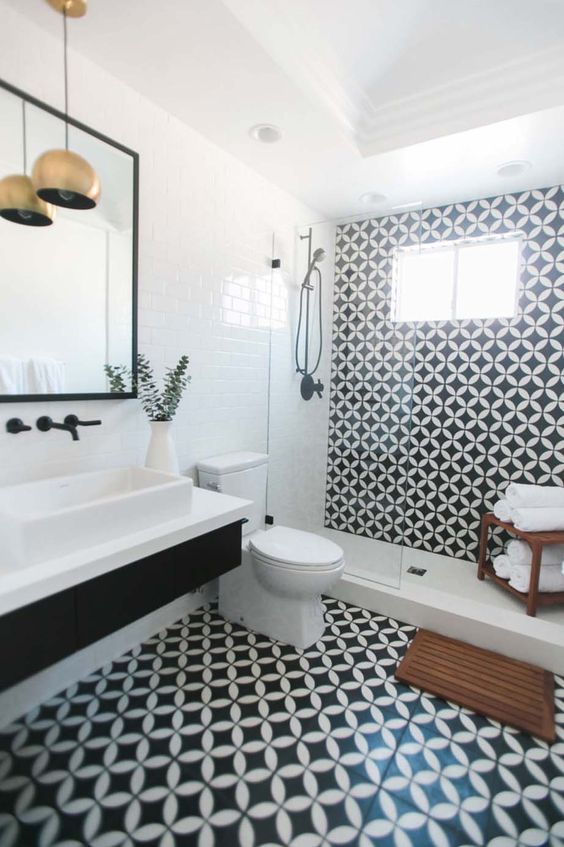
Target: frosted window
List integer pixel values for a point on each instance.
(425, 286)
(457, 281)
(488, 275)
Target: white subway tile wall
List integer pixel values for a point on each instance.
(206, 227)
(298, 433)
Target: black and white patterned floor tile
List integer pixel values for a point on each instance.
(211, 736)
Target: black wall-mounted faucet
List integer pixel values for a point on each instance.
(72, 420)
(45, 423)
(16, 425)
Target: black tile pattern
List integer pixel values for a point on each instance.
(429, 421)
(209, 735)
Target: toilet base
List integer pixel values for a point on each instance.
(244, 601)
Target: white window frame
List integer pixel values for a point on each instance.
(457, 245)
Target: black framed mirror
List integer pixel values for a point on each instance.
(68, 291)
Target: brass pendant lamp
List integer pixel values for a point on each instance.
(19, 203)
(62, 177)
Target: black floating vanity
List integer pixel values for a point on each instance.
(43, 632)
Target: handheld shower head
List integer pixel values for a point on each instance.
(318, 256)
(310, 299)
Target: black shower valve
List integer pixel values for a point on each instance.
(308, 387)
(318, 387)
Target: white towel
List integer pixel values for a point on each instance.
(12, 375)
(551, 578)
(519, 496)
(45, 376)
(539, 520)
(519, 553)
(502, 566)
(502, 511)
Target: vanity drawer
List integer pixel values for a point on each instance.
(36, 636)
(113, 600)
(120, 597)
(40, 634)
(206, 557)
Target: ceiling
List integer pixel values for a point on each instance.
(418, 100)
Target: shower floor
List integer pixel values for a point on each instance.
(448, 598)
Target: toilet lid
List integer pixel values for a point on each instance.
(294, 547)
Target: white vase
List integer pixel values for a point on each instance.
(161, 454)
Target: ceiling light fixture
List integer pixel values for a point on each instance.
(61, 176)
(19, 203)
(72, 8)
(372, 198)
(266, 133)
(515, 168)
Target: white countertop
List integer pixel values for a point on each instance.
(22, 585)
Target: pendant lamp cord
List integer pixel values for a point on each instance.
(24, 136)
(65, 42)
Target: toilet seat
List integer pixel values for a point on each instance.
(293, 549)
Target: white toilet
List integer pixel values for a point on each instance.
(277, 588)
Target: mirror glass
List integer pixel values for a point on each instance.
(67, 291)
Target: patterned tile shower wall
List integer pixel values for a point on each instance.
(430, 421)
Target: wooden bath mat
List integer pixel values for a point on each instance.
(510, 691)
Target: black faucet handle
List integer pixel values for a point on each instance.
(72, 420)
(16, 425)
(44, 423)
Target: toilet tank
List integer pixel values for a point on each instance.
(241, 475)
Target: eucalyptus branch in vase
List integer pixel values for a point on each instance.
(117, 376)
(160, 406)
(157, 405)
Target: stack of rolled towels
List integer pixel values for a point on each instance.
(532, 508)
(515, 565)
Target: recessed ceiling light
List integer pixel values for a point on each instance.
(266, 133)
(372, 198)
(519, 166)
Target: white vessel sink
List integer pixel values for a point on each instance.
(52, 517)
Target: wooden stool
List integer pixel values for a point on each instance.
(536, 541)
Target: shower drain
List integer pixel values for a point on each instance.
(417, 571)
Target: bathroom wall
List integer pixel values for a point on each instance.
(430, 421)
(298, 428)
(206, 224)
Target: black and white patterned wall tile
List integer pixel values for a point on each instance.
(211, 736)
(430, 421)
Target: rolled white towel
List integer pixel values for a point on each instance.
(539, 520)
(12, 376)
(502, 565)
(520, 553)
(551, 578)
(45, 376)
(502, 511)
(520, 495)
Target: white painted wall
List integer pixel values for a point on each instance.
(206, 224)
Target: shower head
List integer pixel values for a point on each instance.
(318, 256)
